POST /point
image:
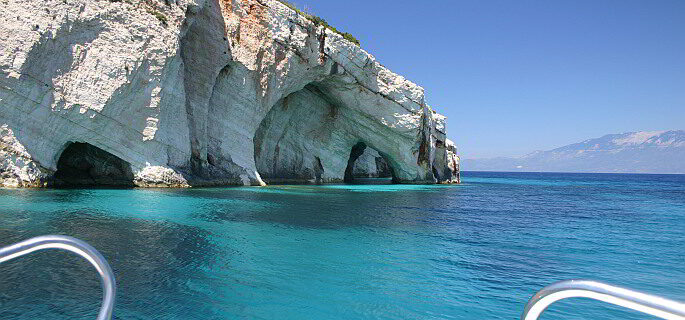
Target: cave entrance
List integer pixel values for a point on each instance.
(367, 166)
(85, 165)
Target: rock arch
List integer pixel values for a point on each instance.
(85, 165)
(203, 94)
(366, 162)
(308, 135)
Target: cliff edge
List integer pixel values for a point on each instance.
(179, 93)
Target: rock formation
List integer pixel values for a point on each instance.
(371, 165)
(175, 93)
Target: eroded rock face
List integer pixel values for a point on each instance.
(452, 173)
(202, 92)
(371, 165)
(84, 165)
(17, 169)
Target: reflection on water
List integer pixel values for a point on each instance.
(475, 251)
(147, 257)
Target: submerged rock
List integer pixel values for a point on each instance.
(200, 92)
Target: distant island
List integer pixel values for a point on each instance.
(632, 152)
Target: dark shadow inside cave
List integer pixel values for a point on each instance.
(367, 166)
(85, 165)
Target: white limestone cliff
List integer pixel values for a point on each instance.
(200, 92)
(371, 165)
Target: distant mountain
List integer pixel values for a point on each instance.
(633, 152)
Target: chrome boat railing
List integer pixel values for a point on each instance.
(76, 246)
(649, 304)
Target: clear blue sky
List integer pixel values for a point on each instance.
(518, 76)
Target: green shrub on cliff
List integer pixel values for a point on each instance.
(161, 17)
(150, 7)
(321, 22)
(351, 38)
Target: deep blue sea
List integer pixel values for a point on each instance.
(478, 250)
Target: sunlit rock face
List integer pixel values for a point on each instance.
(371, 165)
(17, 168)
(201, 92)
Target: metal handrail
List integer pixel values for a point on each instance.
(76, 246)
(653, 305)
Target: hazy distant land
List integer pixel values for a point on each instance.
(632, 152)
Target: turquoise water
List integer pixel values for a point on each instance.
(475, 251)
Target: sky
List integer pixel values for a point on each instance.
(518, 76)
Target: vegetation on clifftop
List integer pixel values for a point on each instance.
(150, 8)
(321, 22)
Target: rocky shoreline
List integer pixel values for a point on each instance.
(182, 93)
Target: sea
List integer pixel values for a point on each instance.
(479, 250)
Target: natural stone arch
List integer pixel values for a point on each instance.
(85, 165)
(308, 135)
(366, 162)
